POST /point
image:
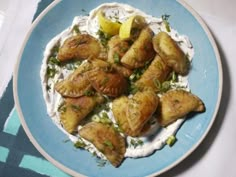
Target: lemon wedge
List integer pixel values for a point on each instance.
(108, 26)
(135, 21)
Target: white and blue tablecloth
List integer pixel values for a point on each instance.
(18, 156)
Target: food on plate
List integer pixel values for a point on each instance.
(156, 73)
(131, 28)
(76, 84)
(108, 26)
(106, 139)
(74, 110)
(116, 49)
(178, 103)
(141, 50)
(110, 83)
(171, 53)
(81, 46)
(116, 82)
(133, 113)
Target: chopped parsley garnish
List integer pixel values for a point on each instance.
(103, 118)
(54, 61)
(165, 19)
(89, 92)
(108, 143)
(62, 107)
(104, 38)
(80, 144)
(51, 72)
(76, 29)
(116, 58)
(136, 142)
(72, 65)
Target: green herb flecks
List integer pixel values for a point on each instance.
(72, 65)
(165, 19)
(102, 118)
(108, 143)
(137, 73)
(103, 37)
(116, 58)
(54, 50)
(89, 92)
(171, 140)
(133, 88)
(135, 143)
(75, 29)
(62, 107)
(51, 72)
(54, 61)
(80, 144)
(76, 108)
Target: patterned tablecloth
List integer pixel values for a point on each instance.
(18, 157)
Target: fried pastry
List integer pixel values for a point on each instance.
(109, 83)
(76, 84)
(106, 139)
(119, 109)
(74, 110)
(140, 109)
(171, 53)
(131, 114)
(81, 46)
(157, 71)
(141, 50)
(176, 104)
(117, 49)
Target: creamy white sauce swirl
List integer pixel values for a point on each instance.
(157, 136)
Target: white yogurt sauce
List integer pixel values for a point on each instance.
(157, 136)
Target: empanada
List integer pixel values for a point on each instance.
(171, 53)
(176, 104)
(76, 84)
(141, 50)
(157, 71)
(116, 49)
(74, 110)
(140, 109)
(109, 83)
(81, 46)
(120, 109)
(106, 139)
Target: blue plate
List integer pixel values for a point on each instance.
(205, 81)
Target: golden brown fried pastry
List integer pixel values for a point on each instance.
(157, 71)
(106, 139)
(74, 110)
(141, 51)
(76, 84)
(117, 49)
(171, 53)
(109, 67)
(140, 109)
(132, 114)
(122, 70)
(101, 64)
(119, 109)
(176, 104)
(81, 46)
(109, 83)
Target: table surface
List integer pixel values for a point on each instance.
(215, 155)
